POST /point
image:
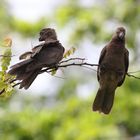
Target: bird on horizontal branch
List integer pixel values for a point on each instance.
(47, 54)
(111, 72)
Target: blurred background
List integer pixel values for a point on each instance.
(59, 108)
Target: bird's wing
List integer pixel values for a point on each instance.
(126, 60)
(39, 47)
(52, 54)
(126, 63)
(49, 55)
(26, 55)
(103, 52)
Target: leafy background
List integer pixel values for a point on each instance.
(66, 113)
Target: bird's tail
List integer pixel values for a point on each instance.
(21, 73)
(19, 68)
(104, 101)
(29, 78)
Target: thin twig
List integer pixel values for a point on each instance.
(3, 90)
(12, 81)
(77, 64)
(134, 71)
(130, 75)
(7, 55)
(16, 84)
(46, 70)
(82, 59)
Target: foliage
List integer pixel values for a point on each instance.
(28, 29)
(10, 23)
(69, 52)
(95, 21)
(5, 18)
(70, 119)
(5, 88)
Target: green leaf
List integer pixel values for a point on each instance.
(53, 72)
(6, 58)
(69, 52)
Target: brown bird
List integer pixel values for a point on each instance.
(46, 54)
(112, 69)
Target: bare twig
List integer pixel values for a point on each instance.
(130, 75)
(16, 84)
(3, 90)
(78, 64)
(134, 71)
(77, 58)
(46, 70)
(7, 55)
(67, 65)
(12, 81)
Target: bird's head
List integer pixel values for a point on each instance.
(47, 34)
(119, 34)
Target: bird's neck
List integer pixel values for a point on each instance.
(50, 39)
(118, 40)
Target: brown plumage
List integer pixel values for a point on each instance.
(46, 54)
(112, 69)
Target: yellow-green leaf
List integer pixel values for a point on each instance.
(7, 42)
(53, 72)
(69, 52)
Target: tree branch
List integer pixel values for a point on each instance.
(130, 75)
(7, 55)
(76, 58)
(78, 64)
(64, 64)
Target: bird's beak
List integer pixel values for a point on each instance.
(121, 35)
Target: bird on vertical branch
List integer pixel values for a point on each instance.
(47, 54)
(111, 72)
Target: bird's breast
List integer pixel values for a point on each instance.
(114, 59)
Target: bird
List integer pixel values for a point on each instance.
(47, 54)
(112, 68)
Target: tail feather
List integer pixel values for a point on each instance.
(104, 101)
(28, 80)
(108, 102)
(21, 72)
(18, 68)
(97, 105)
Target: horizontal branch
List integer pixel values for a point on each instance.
(76, 58)
(61, 65)
(64, 64)
(78, 64)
